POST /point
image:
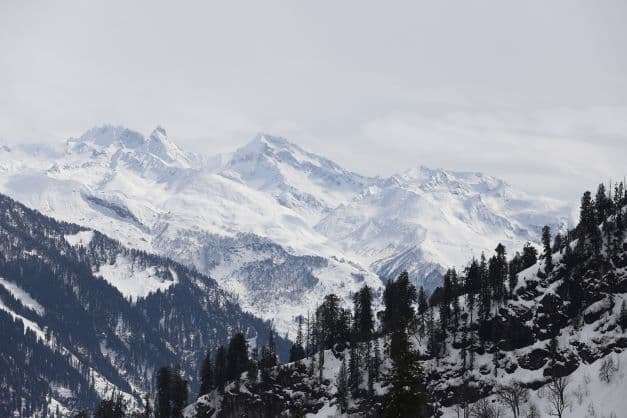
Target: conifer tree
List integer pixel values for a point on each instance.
(529, 255)
(423, 304)
(398, 297)
(472, 285)
(374, 367)
(342, 388)
(455, 300)
(432, 334)
(206, 376)
(623, 316)
(321, 365)
(162, 404)
(547, 255)
(111, 408)
(297, 351)
(364, 321)
(407, 392)
(253, 368)
(445, 307)
(220, 368)
(354, 370)
(178, 394)
(601, 202)
(236, 356)
(485, 299)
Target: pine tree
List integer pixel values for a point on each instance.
(547, 255)
(601, 202)
(455, 299)
(445, 308)
(110, 408)
(374, 367)
(432, 334)
(178, 394)
(267, 362)
(407, 392)
(321, 365)
(472, 285)
(220, 368)
(342, 388)
(398, 297)
(164, 382)
(364, 321)
(485, 297)
(498, 273)
(253, 368)
(354, 370)
(423, 305)
(236, 357)
(529, 255)
(206, 376)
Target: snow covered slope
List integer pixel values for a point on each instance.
(425, 219)
(270, 220)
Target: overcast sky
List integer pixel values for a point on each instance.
(532, 91)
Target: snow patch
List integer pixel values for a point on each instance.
(23, 296)
(135, 281)
(80, 239)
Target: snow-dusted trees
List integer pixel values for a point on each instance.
(512, 395)
(342, 388)
(398, 297)
(363, 321)
(483, 408)
(547, 254)
(207, 382)
(171, 393)
(407, 392)
(236, 357)
(220, 368)
(557, 396)
(355, 376)
(609, 368)
(297, 351)
(332, 325)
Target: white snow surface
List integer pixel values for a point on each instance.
(136, 281)
(23, 296)
(148, 193)
(80, 239)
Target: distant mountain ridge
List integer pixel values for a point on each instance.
(300, 217)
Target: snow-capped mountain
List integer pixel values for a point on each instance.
(305, 182)
(425, 219)
(277, 225)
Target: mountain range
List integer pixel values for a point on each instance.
(273, 224)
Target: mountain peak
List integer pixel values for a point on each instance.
(106, 135)
(263, 143)
(108, 139)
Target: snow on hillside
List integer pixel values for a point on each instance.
(136, 281)
(425, 219)
(150, 194)
(23, 296)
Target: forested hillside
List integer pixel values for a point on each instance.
(529, 335)
(83, 317)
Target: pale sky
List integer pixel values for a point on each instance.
(534, 92)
